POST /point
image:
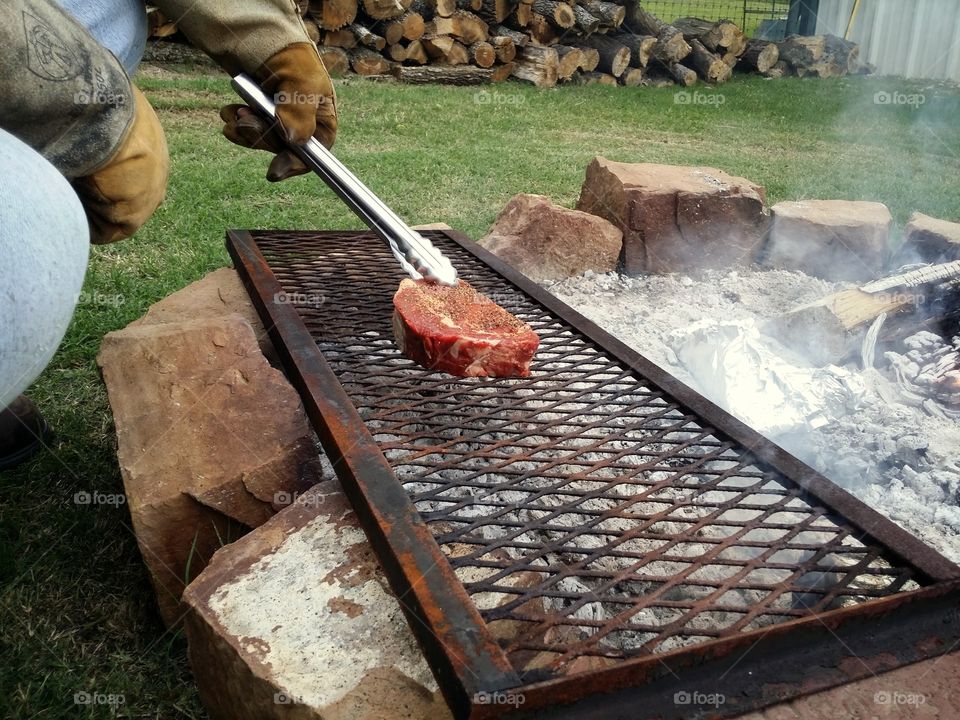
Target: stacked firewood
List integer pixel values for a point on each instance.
(543, 42)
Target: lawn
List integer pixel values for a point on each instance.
(76, 611)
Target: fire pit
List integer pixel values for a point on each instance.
(596, 534)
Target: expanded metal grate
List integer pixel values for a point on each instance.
(591, 515)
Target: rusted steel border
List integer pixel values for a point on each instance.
(805, 655)
(872, 524)
(451, 633)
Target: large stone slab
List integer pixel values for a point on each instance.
(296, 620)
(210, 439)
(830, 239)
(927, 239)
(675, 218)
(547, 242)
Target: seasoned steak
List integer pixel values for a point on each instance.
(459, 331)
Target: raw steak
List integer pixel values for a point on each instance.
(459, 331)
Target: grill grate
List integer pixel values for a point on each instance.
(590, 516)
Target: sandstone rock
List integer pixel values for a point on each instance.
(548, 242)
(677, 219)
(830, 239)
(927, 239)
(208, 433)
(216, 294)
(295, 620)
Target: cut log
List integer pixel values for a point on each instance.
(519, 39)
(681, 74)
(708, 65)
(313, 30)
(610, 14)
(780, 69)
(496, 11)
(541, 30)
(457, 54)
(390, 30)
(482, 54)
(614, 57)
(443, 8)
(340, 38)
(537, 65)
(719, 37)
(502, 72)
(412, 25)
(416, 53)
(504, 48)
(463, 25)
(760, 56)
(437, 46)
(446, 74)
(385, 9)
(397, 52)
(558, 13)
(820, 55)
(523, 13)
(471, 5)
(335, 60)
(367, 38)
(591, 58)
(571, 58)
(596, 78)
(632, 77)
(586, 21)
(364, 61)
(333, 14)
(671, 46)
(641, 47)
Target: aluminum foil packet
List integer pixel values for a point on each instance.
(761, 382)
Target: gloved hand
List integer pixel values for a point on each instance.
(123, 192)
(296, 80)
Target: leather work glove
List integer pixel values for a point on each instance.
(125, 191)
(306, 106)
(267, 40)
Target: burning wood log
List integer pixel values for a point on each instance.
(538, 65)
(614, 57)
(760, 55)
(333, 14)
(708, 65)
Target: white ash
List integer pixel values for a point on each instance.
(896, 457)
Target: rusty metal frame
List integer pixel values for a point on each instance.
(762, 666)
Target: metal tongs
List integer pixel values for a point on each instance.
(417, 255)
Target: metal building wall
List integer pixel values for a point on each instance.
(912, 38)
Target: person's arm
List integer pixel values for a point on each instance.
(267, 40)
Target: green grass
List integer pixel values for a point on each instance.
(76, 611)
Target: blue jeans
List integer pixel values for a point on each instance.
(44, 247)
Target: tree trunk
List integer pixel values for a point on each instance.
(614, 57)
(760, 55)
(709, 66)
(333, 14)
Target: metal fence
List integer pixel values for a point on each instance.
(747, 13)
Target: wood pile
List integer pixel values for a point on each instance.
(546, 42)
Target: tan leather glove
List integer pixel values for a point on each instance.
(123, 192)
(298, 83)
